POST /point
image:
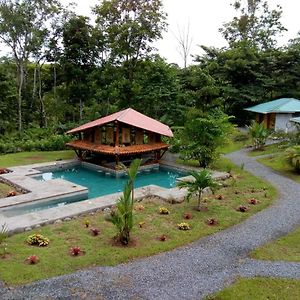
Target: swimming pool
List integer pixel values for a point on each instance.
(100, 183)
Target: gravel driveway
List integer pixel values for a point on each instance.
(190, 272)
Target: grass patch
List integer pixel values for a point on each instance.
(100, 250)
(279, 163)
(286, 248)
(236, 141)
(27, 158)
(270, 149)
(260, 288)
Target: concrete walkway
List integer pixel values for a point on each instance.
(193, 271)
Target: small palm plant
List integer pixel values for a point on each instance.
(122, 217)
(259, 135)
(201, 180)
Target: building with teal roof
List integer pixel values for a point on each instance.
(277, 114)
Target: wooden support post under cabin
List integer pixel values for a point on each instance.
(117, 134)
(117, 160)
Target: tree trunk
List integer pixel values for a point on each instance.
(54, 80)
(199, 199)
(43, 120)
(81, 105)
(20, 87)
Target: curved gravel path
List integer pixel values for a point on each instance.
(191, 272)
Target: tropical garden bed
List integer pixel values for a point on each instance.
(150, 228)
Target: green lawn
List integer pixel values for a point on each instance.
(234, 143)
(100, 250)
(260, 289)
(285, 248)
(27, 158)
(279, 163)
(270, 149)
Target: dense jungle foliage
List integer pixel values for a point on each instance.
(63, 69)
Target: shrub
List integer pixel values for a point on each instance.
(163, 238)
(95, 231)
(293, 157)
(183, 226)
(220, 197)
(44, 139)
(75, 251)
(253, 201)
(242, 208)
(32, 259)
(187, 216)
(259, 135)
(38, 239)
(164, 211)
(211, 221)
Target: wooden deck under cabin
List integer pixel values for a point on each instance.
(116, 150)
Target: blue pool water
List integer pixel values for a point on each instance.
(100, 183)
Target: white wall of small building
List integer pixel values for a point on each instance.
(282, 122)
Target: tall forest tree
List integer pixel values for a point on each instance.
(255, 24)
(23, 27)
(78, 59)
(130, 27)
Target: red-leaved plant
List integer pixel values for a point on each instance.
(242, 208)
(253, 201)
(162, 238)
(32, 259)
(187, 216)
(220, 197)
(75, 251)
(95, 231)
(211, 221)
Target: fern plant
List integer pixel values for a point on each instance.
(122, 216)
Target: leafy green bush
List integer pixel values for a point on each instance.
(293, 156)
(35, 139)
(259, 135)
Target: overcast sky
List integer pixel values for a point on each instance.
(205, 18)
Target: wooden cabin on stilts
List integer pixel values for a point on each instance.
(121, 137)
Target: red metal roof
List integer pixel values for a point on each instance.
(131, 117)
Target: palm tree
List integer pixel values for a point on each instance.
(122, 217)
(201, 180)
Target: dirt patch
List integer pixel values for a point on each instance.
(116, 243)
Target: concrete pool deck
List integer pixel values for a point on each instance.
(21, 177)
